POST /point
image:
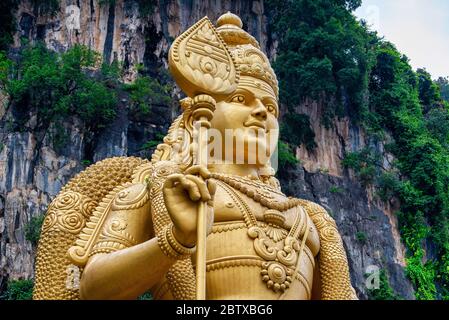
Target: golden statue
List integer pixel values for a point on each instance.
(184, 225)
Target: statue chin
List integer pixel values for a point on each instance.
(251, 151)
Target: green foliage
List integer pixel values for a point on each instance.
(423, 276)
(7, 22)
(286, 156)
(437, 123)
(145, 92)
(429, 92)
(5, 70)
(146, 7)
(335, 189)
(146, 296)
(443, 84)
(46, 6)
(361, 237)
(388, 185)
(86, 163)
(323, 53)
(106, 2)
(150, 144)
(19, 290)
(33, 229)
(364, 163)
(111, 72)
(398, 98)
(414, 230)
(384, 292)
(59, 137)
(59, 85)
(296, 130)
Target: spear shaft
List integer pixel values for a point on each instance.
(203, 109)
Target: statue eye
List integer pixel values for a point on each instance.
(271, 109)
(239, 98)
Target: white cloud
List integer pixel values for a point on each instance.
(418, 28)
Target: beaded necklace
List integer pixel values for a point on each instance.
(258, 191)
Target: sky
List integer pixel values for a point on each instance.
(418, 28)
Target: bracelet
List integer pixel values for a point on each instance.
(180, 248)
(171, 247)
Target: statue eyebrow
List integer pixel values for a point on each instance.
(245, 91)
(251, 93)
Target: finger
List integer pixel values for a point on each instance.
(212, 187)
(205, 196)
(172, 180)
(191, 188)
(201, 170)
(176, 180)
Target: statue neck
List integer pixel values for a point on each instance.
(235, 169)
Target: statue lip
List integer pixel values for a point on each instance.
(255, 123)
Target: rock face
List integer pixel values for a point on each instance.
(32, 171)
(368, 226)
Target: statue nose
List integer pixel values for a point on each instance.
(260, 112)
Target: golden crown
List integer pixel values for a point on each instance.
(249, 59)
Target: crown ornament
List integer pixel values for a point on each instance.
(201, 63)
(211, 60)
(249, 59)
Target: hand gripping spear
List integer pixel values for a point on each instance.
(202, 66)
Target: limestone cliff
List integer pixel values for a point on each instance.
(32, 172)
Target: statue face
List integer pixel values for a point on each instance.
(250, 116)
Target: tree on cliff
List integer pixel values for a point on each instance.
(443, 83)
(325, 54)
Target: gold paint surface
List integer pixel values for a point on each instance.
(127, 225)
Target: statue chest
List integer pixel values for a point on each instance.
(255, 252)
(232, 205)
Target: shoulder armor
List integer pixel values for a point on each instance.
(128, 197)
(80, 252)
(67, 215)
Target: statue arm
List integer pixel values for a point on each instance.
(332, 268)
(125, 274)
(126, 260)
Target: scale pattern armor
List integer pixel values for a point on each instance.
(55, 276)
(332, 260)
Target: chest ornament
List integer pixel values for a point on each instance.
(281, 249)
(281, 257)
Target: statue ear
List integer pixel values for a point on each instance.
(201, 63)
